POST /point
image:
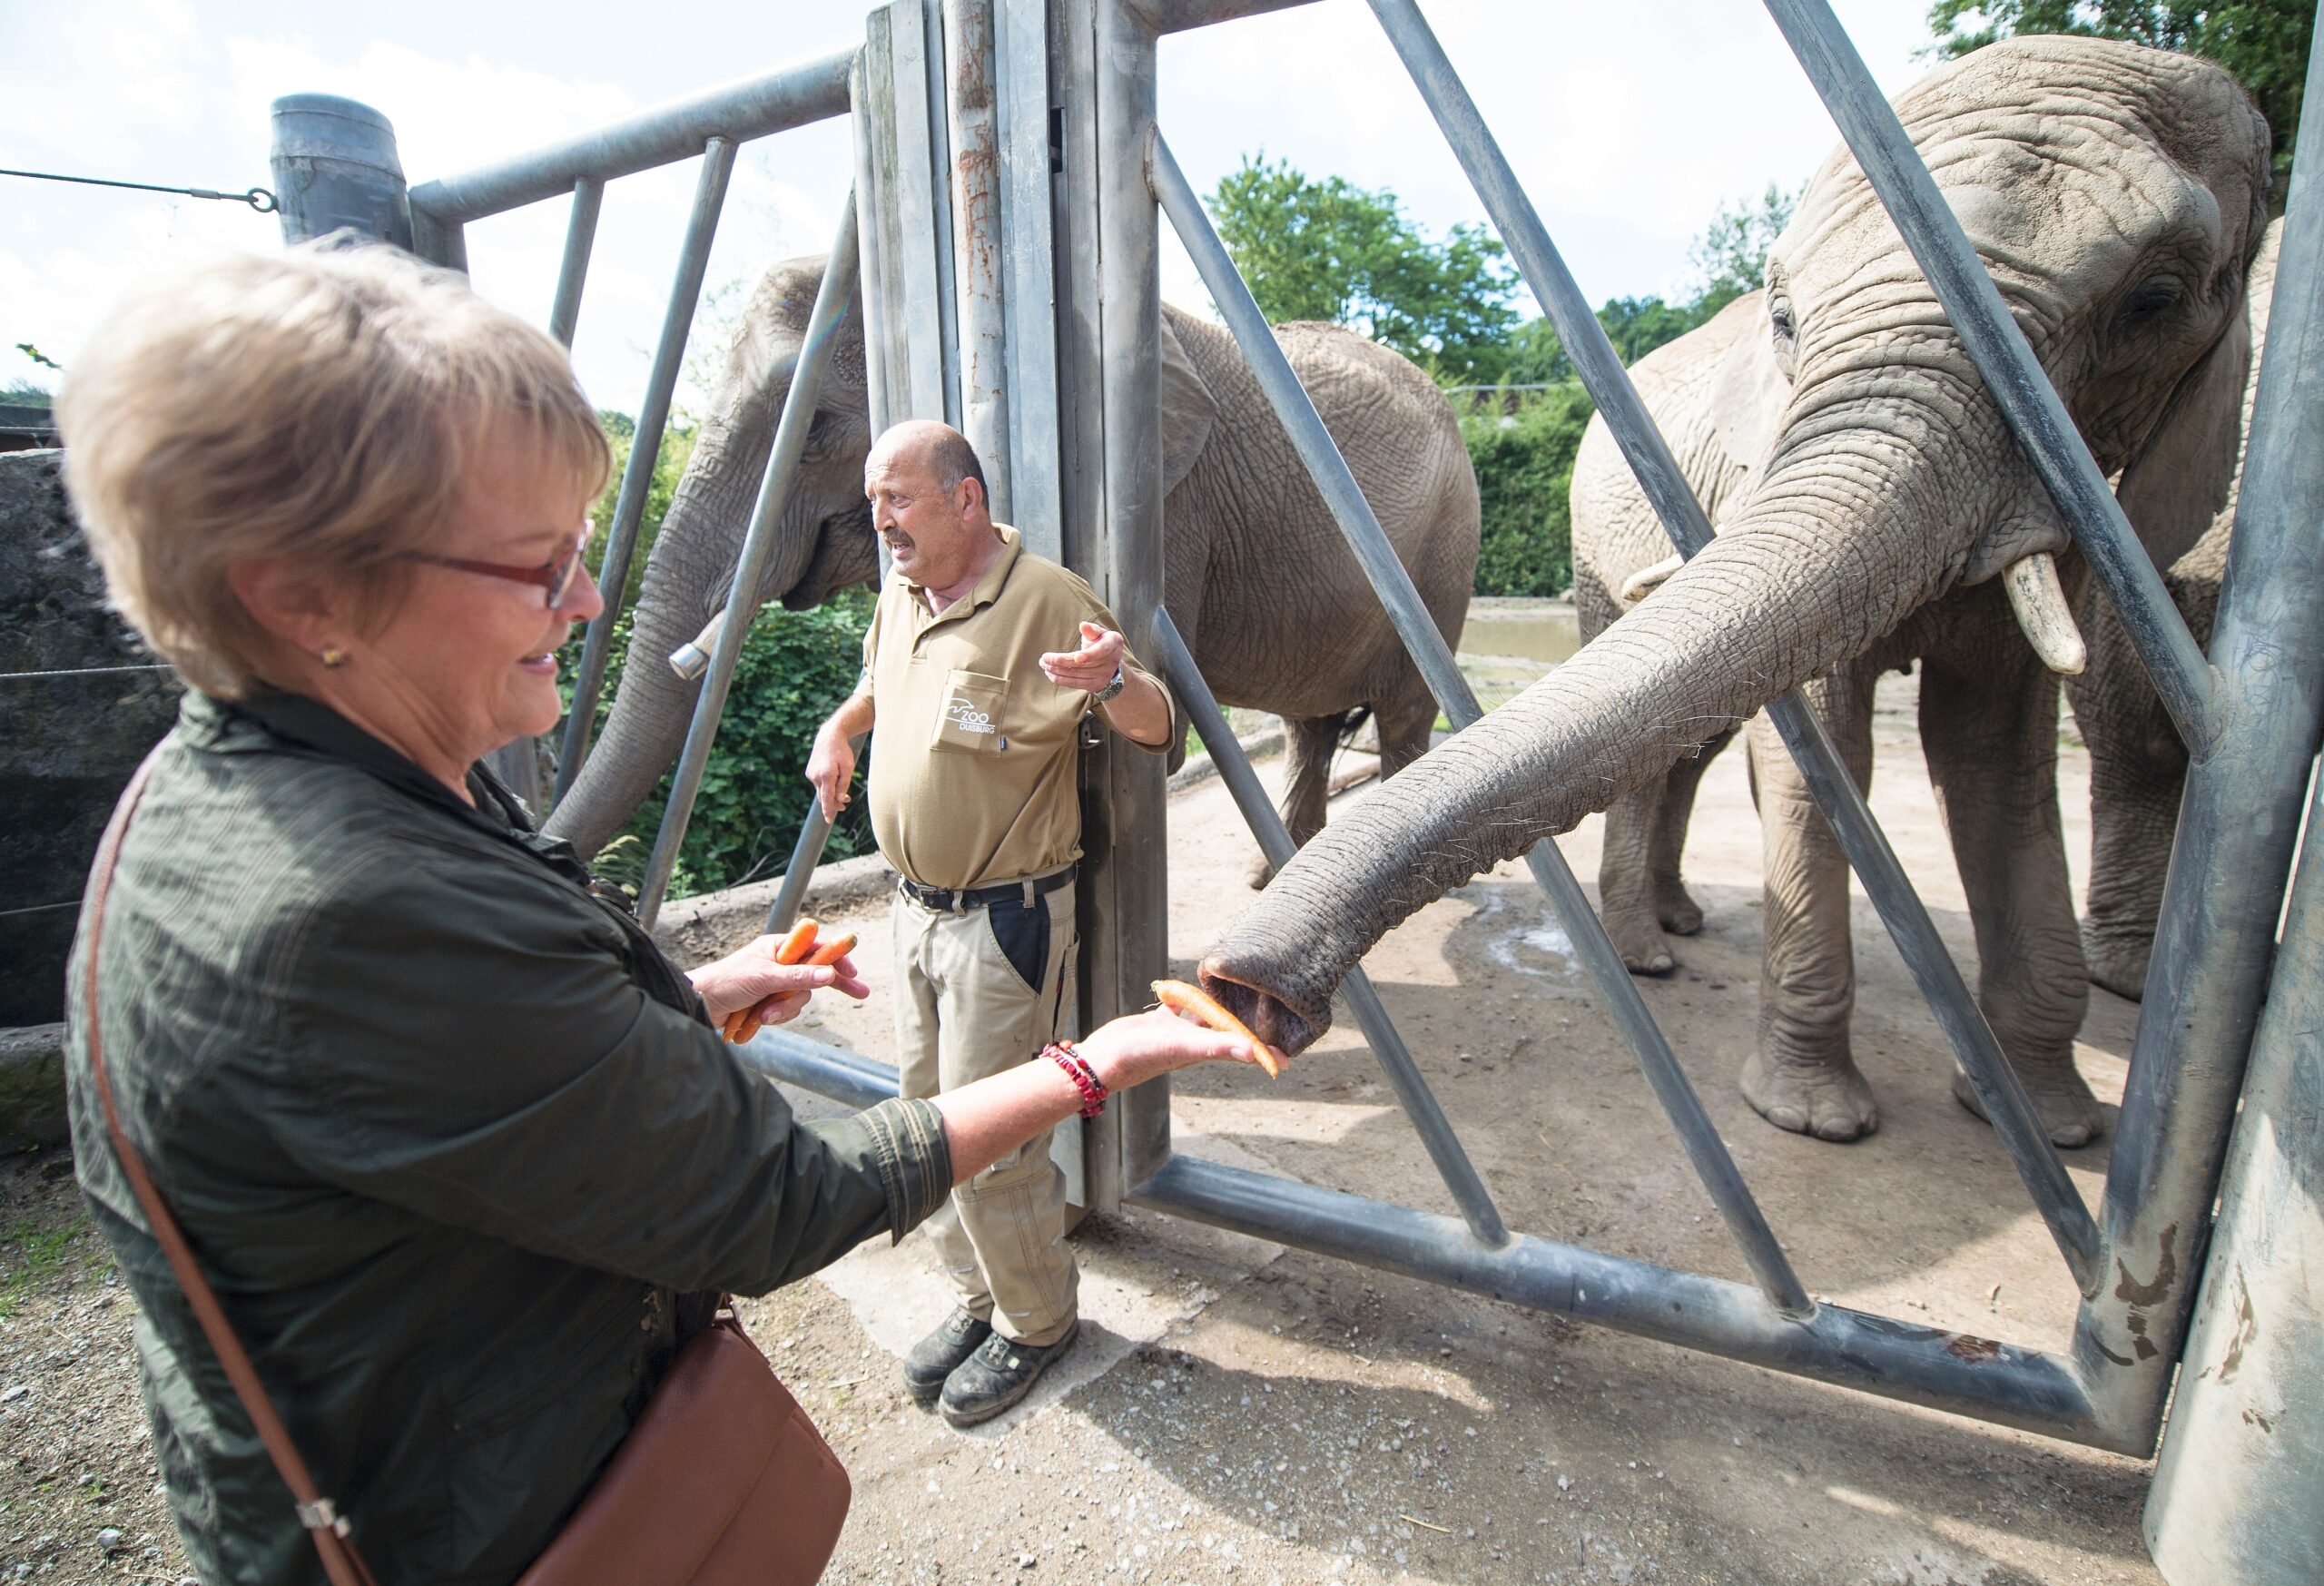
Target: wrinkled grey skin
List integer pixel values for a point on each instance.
(2118, 194)
(1271, 602)
(2138, 767)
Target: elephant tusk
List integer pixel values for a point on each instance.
(691, 659)
(1646, 580)
(2041, 611)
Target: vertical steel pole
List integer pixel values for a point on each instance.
(832, 299)
(1022, 56)
(974, 173)
(580, 236)
(646, 452)
(2239, 1486)
(2215, 939)
(1127, 932)
(335, 168)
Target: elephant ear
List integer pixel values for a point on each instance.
(2179, 478)
(1749, 393)
(1188, 410)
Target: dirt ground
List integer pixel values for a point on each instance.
(1237, 1413)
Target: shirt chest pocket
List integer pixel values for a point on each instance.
(971, 717)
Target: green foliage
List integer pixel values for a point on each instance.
(1524, 465)
(1732, 252)
(795, 670)
(2263, 43)
(1332, 250)
(678, 438)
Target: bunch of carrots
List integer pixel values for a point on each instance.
(800, 947)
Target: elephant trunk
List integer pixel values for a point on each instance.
(686, 580)
(1820, 563)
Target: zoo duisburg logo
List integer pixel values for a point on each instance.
(965, 715)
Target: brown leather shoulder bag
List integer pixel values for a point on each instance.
(722, 1482)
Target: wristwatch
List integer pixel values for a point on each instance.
(1111, 689)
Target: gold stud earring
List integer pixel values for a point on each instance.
(332, 656)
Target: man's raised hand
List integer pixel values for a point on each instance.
(1090, 668)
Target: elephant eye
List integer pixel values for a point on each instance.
(1780, 320)
(2152, 298)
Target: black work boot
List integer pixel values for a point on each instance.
(940, 1354)
(999, 1374)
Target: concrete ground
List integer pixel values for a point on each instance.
(1237, 1413)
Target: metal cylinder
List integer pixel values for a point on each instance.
(2239, 1486)
(335, 169)
(977, 241)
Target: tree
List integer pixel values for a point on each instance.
(2263, 43)
(1732, 252)
(1329, 249)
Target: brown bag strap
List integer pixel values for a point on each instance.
(342, 1562)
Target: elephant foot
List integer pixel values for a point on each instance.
(1641, 943)
(2067, 1110)
(1830, 1100)
(1678, 912)
(2117, 965)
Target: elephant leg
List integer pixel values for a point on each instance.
(1673, 906)
(1404, 728)
(1992, 744)
(1802, 1076)
(1308, 743)
(1626, 880)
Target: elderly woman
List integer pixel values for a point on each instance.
(460, 1152)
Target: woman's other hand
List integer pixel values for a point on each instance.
(775, 993)
(1135, 1049)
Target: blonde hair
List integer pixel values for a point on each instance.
(320, 405)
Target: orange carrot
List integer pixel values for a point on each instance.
(1195, 1004)
(735, 1022)
(795, 947)
(832, 951)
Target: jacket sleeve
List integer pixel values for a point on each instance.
(473, 1047)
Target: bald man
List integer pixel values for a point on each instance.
(982, 662)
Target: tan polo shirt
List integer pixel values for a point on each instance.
(973, 748)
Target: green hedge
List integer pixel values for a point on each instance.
(795, 668)
(1523, 459)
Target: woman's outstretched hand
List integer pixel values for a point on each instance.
(1138, 1046)
(775, 993)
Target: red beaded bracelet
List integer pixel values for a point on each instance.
(1077, 1070)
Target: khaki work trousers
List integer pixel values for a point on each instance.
(965, 1010)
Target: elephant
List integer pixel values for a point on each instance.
(2138, 767)
(1271, 604)
(1871, 507)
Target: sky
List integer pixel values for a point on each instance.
(1628, 125)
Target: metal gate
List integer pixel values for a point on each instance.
(1004, 227)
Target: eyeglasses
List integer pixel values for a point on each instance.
(555, 578)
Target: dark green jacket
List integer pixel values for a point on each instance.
(455, 1145)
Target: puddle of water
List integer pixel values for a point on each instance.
(1522, 942)
(1549, 632)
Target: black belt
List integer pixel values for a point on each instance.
(946, 900)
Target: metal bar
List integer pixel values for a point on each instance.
(833, 1071)
(1021, 55)
(1419, 1102)
(921, 216)
(737, 112)
(335, 166)
(974, 177)
(645, 452)
(1128, 886)
(580, 236)
(2006, 362)
(939, 167)
(1673, 499)
(832, 298)
(1179, 15)
(438, 242)
(1624, 1003)
(1957, 1372)
(2214, 943)
(871, 275)
(806, 853)
(2234, 1499)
